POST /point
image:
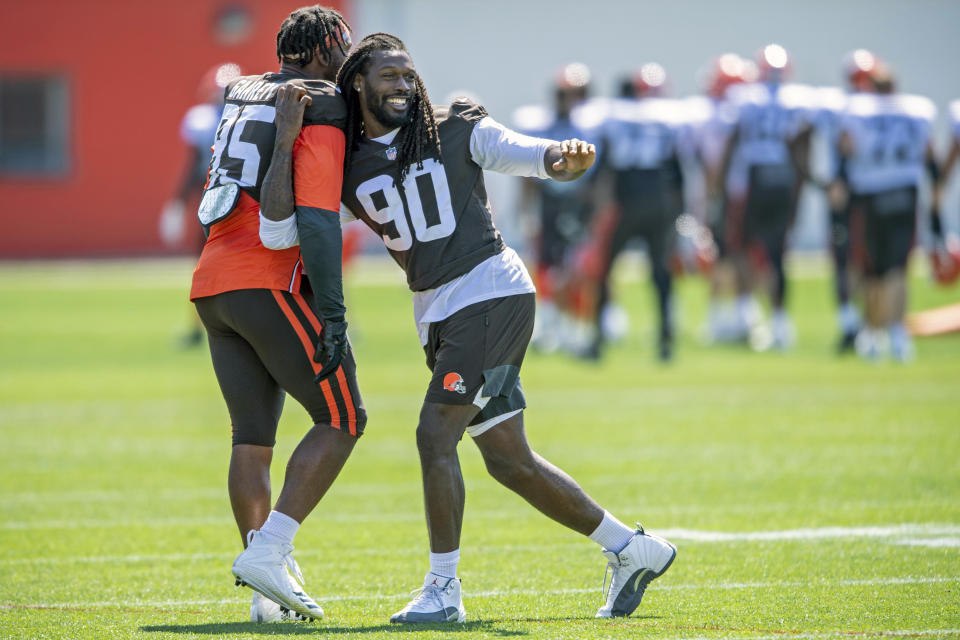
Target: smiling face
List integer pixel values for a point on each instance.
(386, 91)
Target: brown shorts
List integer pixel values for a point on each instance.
(262, 343)
(476, 354)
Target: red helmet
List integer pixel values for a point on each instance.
(773, 63)
(650, 80)
(216, 79)
(858, 69)
(945, 261)
(574, 76)
(726, 70)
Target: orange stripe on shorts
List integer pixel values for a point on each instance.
(309, 348)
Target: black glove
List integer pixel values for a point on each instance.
(332, 348)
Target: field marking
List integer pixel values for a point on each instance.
(944, 536)
(496, 593)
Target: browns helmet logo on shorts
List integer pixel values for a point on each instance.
(454, 382)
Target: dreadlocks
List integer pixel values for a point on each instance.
(308, 28)
(418, 137)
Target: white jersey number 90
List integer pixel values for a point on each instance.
(428, 210)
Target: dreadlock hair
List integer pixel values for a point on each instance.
(418, 137)
(308, 28)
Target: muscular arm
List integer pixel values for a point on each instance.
(305, 176)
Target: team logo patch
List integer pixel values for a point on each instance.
(454, 382)
(391, 153)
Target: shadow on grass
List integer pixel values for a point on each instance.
(299, 628)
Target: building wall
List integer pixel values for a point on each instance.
(132, 69)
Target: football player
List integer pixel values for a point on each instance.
(763, 163)
(642, 140)
(414, 174)
(885, 149)
(830, 103)
(262, 322)
(715, 119)
(563, 207)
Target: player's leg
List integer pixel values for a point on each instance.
(848, 317)
(511, 462)
(660, 246)
(620, 235)
(900, 230)
(635, 557)
(283, 330)
(254, 401)
(872, 340)
(335, 405)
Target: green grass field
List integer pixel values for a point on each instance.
(809, 496)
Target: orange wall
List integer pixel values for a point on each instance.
(133, 69)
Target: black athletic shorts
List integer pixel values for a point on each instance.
(262, 344)
(890, 219)
(770, 205)
(476, 354)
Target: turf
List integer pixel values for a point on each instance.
(810, 496)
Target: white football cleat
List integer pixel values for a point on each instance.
(263, 609)
(439, 600)
(644, 558)
(265, 567)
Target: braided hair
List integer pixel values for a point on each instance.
(418, 137)
(308, 28)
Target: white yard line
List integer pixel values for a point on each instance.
(927, 535)
(160, 604)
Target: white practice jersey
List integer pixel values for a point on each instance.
(768, 117)
(199, 126)
(827, 109)
(712, 120)
(889, 135)
(645, 133)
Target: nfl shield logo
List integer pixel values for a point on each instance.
(391, 153)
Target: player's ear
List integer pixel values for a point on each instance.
(322, 56)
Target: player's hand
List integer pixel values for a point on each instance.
(576, 156)
(332, 348)
(172, 222)
(291, 103)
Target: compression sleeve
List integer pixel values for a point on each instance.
(497, 148)
(317, 180)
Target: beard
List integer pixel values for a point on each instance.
(388, 118)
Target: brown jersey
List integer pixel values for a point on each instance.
(437, 223)
(245, 137)
(233, 256)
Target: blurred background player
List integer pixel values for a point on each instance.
(640, 141)
(945, 254)
(198, 129)
(563, 208)
(763, 162)
(858, 68)
(884, 149)
(715, 119)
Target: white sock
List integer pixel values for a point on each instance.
(445, 564)
(612, 534)
(280, 527)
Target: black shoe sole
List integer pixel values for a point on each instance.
(631, 601)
